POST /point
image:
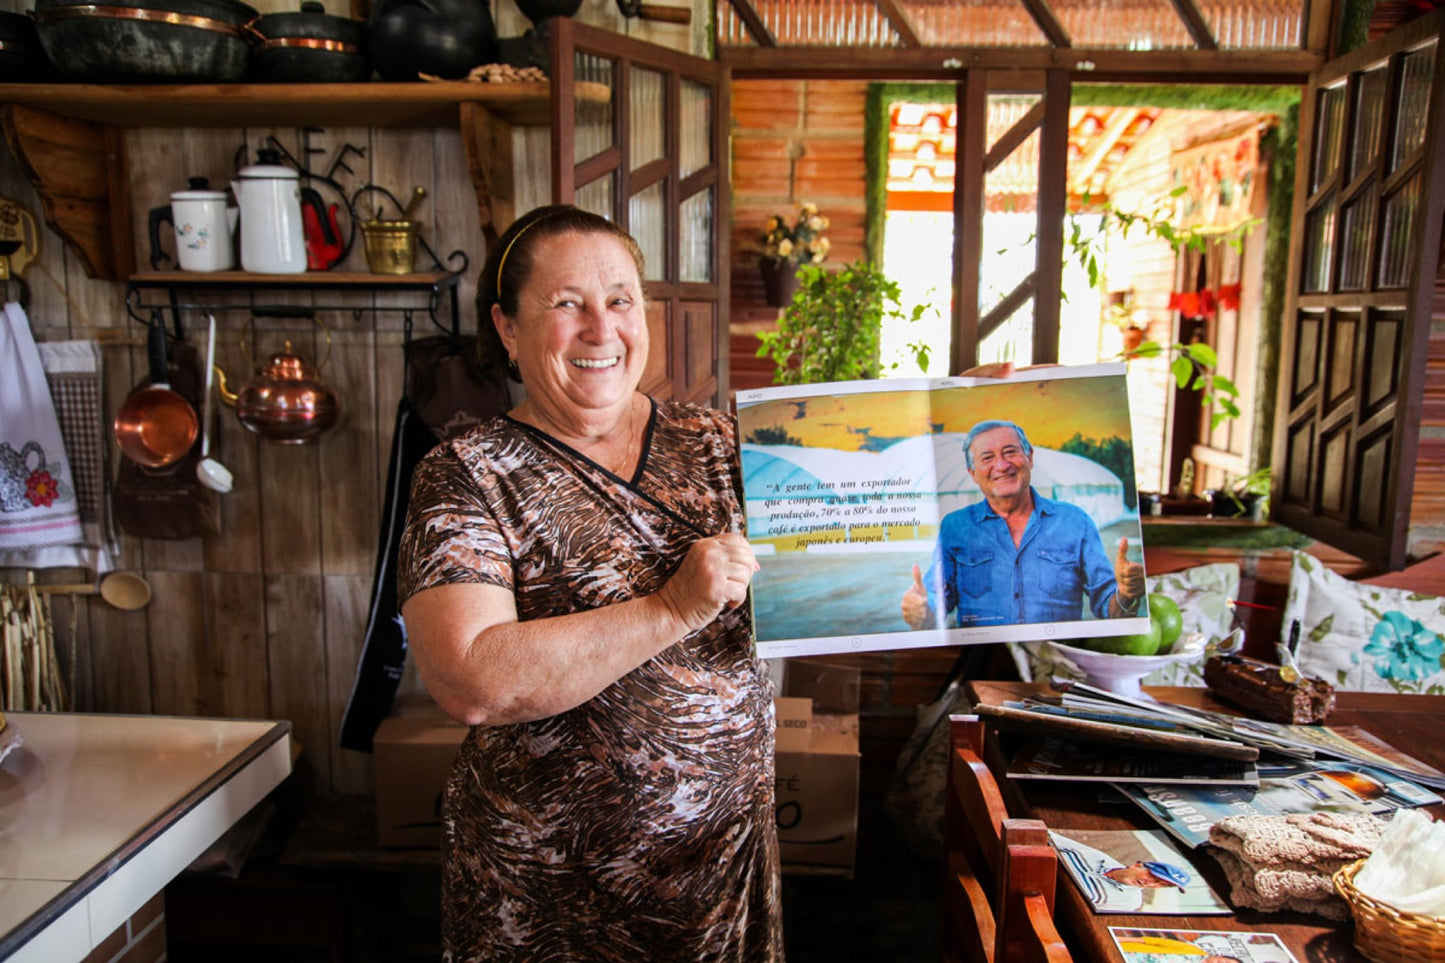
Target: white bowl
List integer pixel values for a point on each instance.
(1117, 673)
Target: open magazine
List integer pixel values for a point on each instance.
(861, 493)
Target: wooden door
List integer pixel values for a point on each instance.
(1365, 236)
(653, 159)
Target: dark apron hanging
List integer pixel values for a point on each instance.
(448, 391)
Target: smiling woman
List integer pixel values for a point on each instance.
(572, 581)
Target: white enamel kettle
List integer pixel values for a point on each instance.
(269, 196)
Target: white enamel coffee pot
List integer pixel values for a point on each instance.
(203, 226)
(269, 195)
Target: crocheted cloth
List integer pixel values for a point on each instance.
(1276, 863)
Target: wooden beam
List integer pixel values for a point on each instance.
(1195, 23)
(898, 18)
(1005, 308)
(1014, 136)
(1043, 15)
(754, 23)
(968, 211)
(1052, 209)
(1096, 65)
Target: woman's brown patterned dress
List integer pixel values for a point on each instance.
(638, 826)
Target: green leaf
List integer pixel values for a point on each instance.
(1223, 385)
(1148, 349)
(1182, 370)
(1202, 353)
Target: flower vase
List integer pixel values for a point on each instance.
(780, 280)
(1133, 337)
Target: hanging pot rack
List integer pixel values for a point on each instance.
(175, 292)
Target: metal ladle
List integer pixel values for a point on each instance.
(211, 473)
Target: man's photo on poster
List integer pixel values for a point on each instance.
(944, 511)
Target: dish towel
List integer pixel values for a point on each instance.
(73, 372)
(38, 505)
(1285, 862)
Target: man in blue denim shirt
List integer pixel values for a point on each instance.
(1018, 557)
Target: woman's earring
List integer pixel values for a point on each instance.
(512, 369)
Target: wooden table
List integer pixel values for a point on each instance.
(1413, 724)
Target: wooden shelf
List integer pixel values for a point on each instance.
(281, 105)
(69, 139)
(437, 287)
(311, 280)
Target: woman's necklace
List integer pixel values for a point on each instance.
(631, 438)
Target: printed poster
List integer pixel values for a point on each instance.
(875, 528)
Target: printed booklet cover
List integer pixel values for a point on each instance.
(876, 529)
(1153, 946)
(1134, 871)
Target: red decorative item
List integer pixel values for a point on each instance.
(41, 489)
(324, 246)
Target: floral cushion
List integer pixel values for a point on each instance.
(1365, 637)
(1203, 594)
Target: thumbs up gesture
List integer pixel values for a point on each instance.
(1129, 575)
(916, 610)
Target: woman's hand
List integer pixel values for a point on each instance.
(714, 575)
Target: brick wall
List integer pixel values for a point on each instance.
(140, 939)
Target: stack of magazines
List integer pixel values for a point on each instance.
(1192, 767)
(1189, 768)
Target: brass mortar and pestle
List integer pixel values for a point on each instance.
(391, 245)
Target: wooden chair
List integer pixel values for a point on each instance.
(999, 873)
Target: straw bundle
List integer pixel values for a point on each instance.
(30, 676)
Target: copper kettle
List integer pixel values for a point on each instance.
(286, 402)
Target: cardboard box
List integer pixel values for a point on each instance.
(816, 767)
(412, 754)
(816, 778)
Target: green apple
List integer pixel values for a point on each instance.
(1165, 612)
(1143, 643)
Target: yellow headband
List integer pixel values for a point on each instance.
(502, 262)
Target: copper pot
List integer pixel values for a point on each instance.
(155, 426)
(286, 402)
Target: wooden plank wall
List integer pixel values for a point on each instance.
(266, 620)
(792, 141)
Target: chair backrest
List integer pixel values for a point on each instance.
(999, 872)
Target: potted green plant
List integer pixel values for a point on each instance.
(1245, 496)
(788, 244)
(831, 329)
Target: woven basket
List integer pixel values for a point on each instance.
(1385, 934)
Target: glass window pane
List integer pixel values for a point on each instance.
(648, 220)
(649, 92)
(1369, 106)
(596, 197)
(1329, 125)
(1319, 240)
(695, 224)
(1417, 72)
(696, 111)
(1357, 222)
(592, 116)
(1397, 235)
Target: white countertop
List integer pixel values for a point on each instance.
(98, 813)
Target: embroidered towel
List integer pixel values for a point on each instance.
(73, 372)
(38, 506)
